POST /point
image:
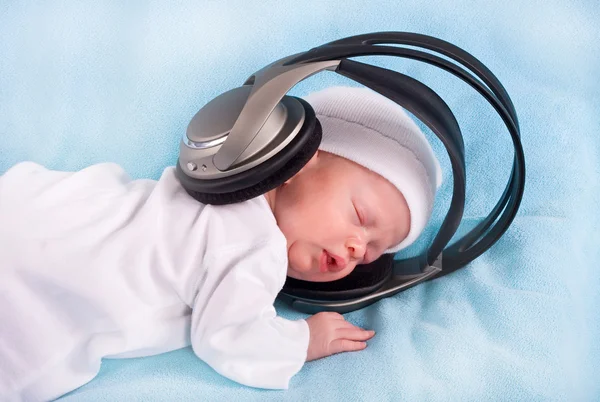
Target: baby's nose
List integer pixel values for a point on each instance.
(356, 250)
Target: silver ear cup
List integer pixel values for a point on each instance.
(261, 178)
(209, 128)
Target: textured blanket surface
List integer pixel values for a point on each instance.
(82, 83)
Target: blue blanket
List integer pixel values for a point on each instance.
(82, 83)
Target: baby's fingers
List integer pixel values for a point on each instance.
(354, 334)
(346, 345)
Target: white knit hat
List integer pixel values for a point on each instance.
(365, 127)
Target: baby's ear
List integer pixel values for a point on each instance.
(311, 162)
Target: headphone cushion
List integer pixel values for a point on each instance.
(363, 280)
(304, 145)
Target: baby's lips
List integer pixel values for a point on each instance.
(340, 263)
(323, 266)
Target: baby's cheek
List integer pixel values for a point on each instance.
(299, 259)
(314, 217)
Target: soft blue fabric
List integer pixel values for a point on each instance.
(85, 82)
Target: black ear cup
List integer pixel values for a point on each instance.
(364, 280)
(261, 178)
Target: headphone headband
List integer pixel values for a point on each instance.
(432, 111)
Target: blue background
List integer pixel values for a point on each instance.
(86, 82)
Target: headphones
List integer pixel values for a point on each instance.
(252, 138)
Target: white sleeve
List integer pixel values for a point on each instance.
(235, 328)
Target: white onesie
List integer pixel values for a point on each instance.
(94, 264)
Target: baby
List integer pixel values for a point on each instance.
(97, 265)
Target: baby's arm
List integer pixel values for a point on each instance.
(235, 328)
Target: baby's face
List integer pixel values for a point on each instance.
(336, 214)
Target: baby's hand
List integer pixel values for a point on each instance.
(330, 334)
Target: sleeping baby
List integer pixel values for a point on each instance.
(96, 265)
